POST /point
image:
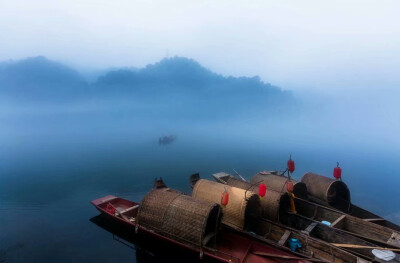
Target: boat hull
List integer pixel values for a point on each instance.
(344, 228)
(228, 247)
(142, 232)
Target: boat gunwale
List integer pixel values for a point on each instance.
(331, 209)
(210, 252)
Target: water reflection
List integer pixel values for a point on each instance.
(147, 250)
(10, 253)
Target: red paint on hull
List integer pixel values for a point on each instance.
(230, 245)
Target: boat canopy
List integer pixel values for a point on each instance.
(333, 192)
(179, 217)
(241, 202)
(278, 183)
(273, 204)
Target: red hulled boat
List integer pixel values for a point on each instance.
(208, 240)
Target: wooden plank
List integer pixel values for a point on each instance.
(351, 225)
(259, 253)
(222, 177)
(122, 215)
(128, 209)
(312, 247)
(338, 220)
(310, 228)
(315, 212)
(108, 199)
(369, 247)
(284, 237)
(373, 219)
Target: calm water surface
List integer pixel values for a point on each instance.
(52, 167)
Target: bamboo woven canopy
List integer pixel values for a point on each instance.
(278, 183)
(241, 202)
(334, 192)
(179, 216)
(273, 203)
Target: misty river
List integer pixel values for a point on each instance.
(53, 163)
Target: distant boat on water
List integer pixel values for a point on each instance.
(167, 139)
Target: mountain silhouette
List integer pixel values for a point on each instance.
(178, 83)
(39, 78)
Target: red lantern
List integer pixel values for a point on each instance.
(262, 189)
(337, 172)
(224, 198)
(289, 186)
(290, 165)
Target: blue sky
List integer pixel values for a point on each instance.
(298, 45)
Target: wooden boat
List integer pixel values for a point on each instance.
(279, 235)
(321, 188)
(226, 246)
(347, 223)
(348, 242)
(147, 250)
(167, 139)
(371, 217)
(323, 191)
(309, 214)
(337, 219)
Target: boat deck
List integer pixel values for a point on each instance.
(229, 246)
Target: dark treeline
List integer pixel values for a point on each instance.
(177, 84)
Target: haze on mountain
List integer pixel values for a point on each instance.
(38, 78)
(179, 88)
(175, 84)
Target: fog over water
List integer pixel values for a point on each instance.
(87, 88)
(58, 152)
